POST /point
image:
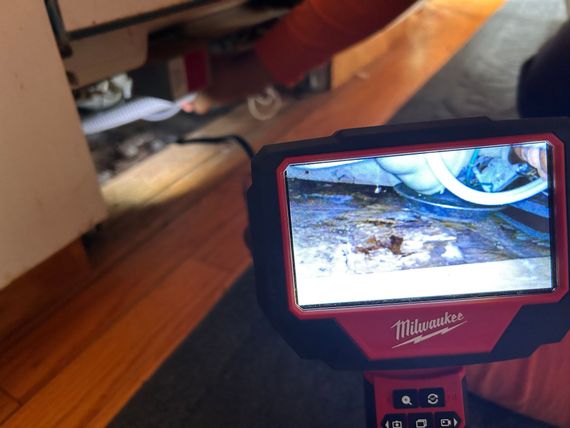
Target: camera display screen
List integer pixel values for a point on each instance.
(440, 224)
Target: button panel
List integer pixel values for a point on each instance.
(430, 398)
(414, 399)
(421, 420)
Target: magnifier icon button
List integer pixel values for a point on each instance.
(405, 399)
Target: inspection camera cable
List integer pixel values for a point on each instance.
(222, 139)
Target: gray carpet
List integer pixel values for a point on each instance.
(481, 79)
(235, 371)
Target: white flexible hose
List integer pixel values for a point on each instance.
(460, 190)
(331, 164)
(163, 114)
(146, 108)
(266, 105)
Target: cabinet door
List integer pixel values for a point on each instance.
(49, 193)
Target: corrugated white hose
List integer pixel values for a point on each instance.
(146, 108)
(265, 105)
(460, 190)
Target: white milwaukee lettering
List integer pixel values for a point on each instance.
(415, 329)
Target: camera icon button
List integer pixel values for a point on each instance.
(394, 420)
(447, 420)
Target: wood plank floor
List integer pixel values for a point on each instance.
(8, 405)
(174, 243)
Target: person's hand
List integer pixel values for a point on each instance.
(536, 157)
(232, 79)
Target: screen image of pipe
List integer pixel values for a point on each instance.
(437, 224)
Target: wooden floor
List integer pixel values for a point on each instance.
(174, 243)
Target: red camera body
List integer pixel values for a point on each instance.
(343, 276)
(440, 327)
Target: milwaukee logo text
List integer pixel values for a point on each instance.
(416, 331)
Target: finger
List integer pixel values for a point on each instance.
(202, 104)
(187, 107)
(533, 157)
(543, 164)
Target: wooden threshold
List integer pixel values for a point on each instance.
(174, 242)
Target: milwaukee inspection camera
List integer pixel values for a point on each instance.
(409, 251)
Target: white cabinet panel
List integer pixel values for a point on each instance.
(49, 193)
(81, 14)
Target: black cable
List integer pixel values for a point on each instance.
(242, 142)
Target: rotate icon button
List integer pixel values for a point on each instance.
(432, 397)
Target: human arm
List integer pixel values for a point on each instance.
(308, 36)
